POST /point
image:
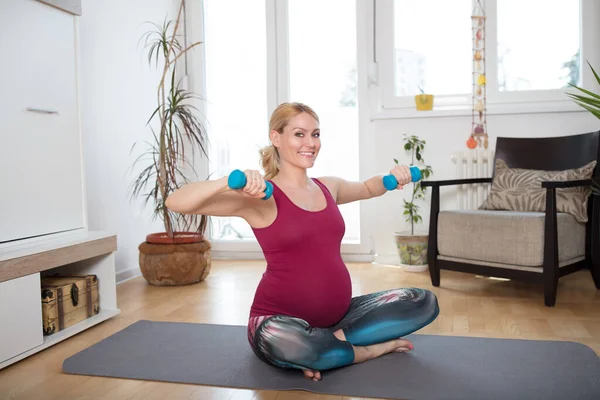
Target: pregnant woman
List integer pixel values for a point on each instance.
(303, 315)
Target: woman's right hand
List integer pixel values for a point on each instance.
(255, 184)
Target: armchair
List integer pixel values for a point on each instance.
(536, 247)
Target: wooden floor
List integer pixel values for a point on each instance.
(470, 306)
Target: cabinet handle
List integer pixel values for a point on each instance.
(42, 110)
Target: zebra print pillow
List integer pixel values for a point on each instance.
(516, 189)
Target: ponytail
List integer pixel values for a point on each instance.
(269, 159)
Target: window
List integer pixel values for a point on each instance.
(537, 56)
(236, 94)
(326, 80)
(423, 56)
(532, 50)
(248, 75)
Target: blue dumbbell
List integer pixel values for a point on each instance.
(390, 182)
(237, 180)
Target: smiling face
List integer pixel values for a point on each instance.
(299, 143)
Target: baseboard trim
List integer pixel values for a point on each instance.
(236, 255)
(358, 258)
(131, 273)
(254, 255)
(387, 259)
(128, 274)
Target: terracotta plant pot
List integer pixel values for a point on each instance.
(412, 250)
(182, 260)
(178, 238)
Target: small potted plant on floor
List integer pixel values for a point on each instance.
(412, 248)
(181, 254)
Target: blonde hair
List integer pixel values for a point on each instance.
(269, 156)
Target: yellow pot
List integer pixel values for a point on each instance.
(424, 102)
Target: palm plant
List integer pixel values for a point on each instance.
(591, 102)
(179, 129)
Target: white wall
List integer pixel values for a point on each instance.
(118, 93)
(445, 135)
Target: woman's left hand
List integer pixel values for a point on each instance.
(402, 175)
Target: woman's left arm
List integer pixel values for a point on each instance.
(346, 191)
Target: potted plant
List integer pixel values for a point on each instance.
(424, 102)
(181, 254)
(412, 248)
(591, 102)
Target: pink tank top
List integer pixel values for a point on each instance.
(305, 276)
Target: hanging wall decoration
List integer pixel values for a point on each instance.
(479, 136)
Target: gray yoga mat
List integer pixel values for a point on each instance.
(440, 367)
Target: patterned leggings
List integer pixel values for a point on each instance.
(289, 342)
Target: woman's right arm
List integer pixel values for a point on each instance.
(216, 198)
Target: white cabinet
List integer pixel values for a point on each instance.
(21, 315)
(40, 148)
(21, 269)
(41, 175)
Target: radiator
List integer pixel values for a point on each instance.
(476, 163)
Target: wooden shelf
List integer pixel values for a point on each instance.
(64, 334)
(26, 259)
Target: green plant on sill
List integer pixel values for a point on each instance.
(591, 102)
(415, 146)
(422, 98)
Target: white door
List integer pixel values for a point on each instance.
(40, 151)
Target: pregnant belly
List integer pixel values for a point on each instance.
(320, 299)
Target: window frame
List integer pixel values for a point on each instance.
(278, 90)
(389, 105)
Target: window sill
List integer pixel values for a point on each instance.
(251, 245)
(249, 249)
(492, 109)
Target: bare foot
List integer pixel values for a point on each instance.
(314, 375)
(404, 346)
(364, 353)
(370, 352)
